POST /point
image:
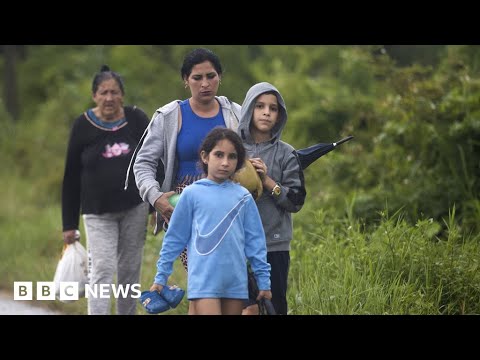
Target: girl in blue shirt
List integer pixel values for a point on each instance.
(218, 221)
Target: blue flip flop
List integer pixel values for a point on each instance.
(153, 302)
(172, 295)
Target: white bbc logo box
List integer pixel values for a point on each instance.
(45, 290)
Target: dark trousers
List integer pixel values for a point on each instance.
(280, 263)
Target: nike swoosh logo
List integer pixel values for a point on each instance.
(205, 244)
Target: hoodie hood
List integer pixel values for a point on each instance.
(248, 107)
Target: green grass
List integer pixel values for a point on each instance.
(395, 268)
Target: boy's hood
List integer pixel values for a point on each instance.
(247, 112)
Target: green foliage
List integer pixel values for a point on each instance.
(416, 145)
(394, 268)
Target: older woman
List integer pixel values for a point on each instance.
(100, 148)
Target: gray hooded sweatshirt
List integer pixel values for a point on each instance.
(283, 166)
(160, 144)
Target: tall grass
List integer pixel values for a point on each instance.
(395, 268)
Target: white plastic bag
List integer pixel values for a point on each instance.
(72, 267)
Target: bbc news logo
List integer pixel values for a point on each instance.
(70, 290)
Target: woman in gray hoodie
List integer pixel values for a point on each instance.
(176, 132)
(263, 118)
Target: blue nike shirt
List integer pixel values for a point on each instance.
(221, 228)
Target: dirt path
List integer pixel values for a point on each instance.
(8, 306)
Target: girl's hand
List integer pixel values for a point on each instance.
(267, 294)
(156, 287)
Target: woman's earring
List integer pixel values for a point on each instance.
(186, 85)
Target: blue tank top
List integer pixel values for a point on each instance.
(194, 129)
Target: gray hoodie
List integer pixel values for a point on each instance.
(160, 144)
(283, 166)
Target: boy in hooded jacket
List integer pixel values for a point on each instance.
(263, 118)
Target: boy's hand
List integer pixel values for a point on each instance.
(260, 166)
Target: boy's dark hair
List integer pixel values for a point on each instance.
(106, 74)
(217, 134)
(198, 56)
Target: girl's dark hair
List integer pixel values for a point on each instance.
(106, 74)
(198, 56)
(217, 134)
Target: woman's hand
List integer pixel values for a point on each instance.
(163, 206)
(70, 236)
